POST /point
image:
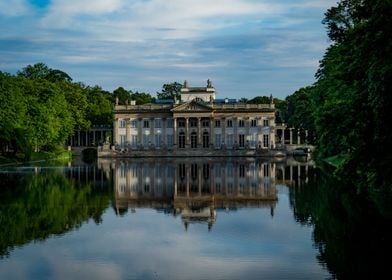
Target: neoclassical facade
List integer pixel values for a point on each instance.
(197, 121)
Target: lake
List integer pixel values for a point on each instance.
(174, 218)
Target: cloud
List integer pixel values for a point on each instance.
(14, 8)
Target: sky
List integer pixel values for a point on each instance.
(246, 48)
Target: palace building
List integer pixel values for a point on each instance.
(198, 121)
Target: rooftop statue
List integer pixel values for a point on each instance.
(209, 84)
(186, 84)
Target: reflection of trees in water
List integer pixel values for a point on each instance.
(36, 206)
(352, 232)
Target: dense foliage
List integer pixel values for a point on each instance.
(352, 96)
(170, 91)
(41, 107)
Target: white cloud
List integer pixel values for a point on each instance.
(12, 8)
(133, 20)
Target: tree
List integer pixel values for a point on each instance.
(122, 94)
(142, 98)
(170, 91)
(260, 100)
(352, 92)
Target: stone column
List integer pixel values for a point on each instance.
(223, 135)
(164, 136)
(282, 137)
(140, 131)
(115, 131)
(199, 177)
(299, 137)
(291, 136)
(306, 137)
(128, 132)
(212, 134)
(199, 143)
(187, 132)
(152, 134)
(235, 125)
(175, 133)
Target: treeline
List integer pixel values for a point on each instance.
(40, 107)
(349, 106)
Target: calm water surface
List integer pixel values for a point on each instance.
(160, 219)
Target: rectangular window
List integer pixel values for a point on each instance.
(193, 123)
(241, 123)
(146, 123)
(158, 140)
(205, 123)
(217, 123)
(122, 139)
(218, 140)
(266, 141)
(145, 140)
(170, 140)
(229, 123)
(265, 122)
(230, 139)
(158, 123)
(134, 123)
(169, 123)
(253, 123)
(134, 140)
(241, 138)
(181, 123)
(122, 123)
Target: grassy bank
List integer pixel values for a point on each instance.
(61, 156)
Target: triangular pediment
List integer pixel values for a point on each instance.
(192, 106)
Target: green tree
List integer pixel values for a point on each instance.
(122, 94)
(170, 91)
(260, 100)
(352, 92)
(142, 98)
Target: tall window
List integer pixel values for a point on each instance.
(193, 140)
(217, 123)
(169, 123)
(158, 140)
(229, 123)
(134, 140)
(170, 140)
(193, 122)
(241, 123)
(241, 138)
(181, 140)
(218, 140)
(122, 123)
(230, 139)
(265, 122)
(158, 123)
(181, 123)
(205, 123)
(122, 139)
(265, 140)
(206, 140)
(134, 123)
(253, 123)
(146, 123)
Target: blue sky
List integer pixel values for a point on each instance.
(245, 47)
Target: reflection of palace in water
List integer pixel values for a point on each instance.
(195, 188)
